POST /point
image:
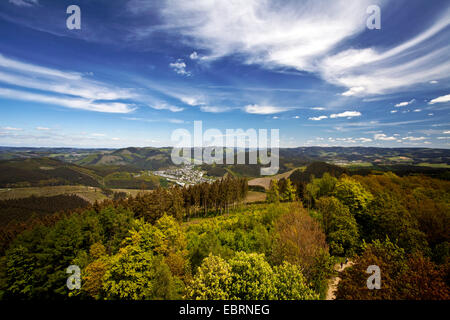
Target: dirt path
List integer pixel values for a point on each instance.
(333, 282)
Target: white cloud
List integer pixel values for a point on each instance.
(305, 34)
(31, 68)
(12, 129)
(165, 106)
(346, 114)
(42, 128)
(393, 111)
(383, 137)
(446, 132)
(74, 103)
(80, 86)
(171, 120)
(414, 138)
(417, 110)
(84, 88)
(192, 101)
(385, 70)
(290, 35)
(86, 93)
(434, 82)
(258, 109)
(214, 109)
(318, 108)
(440, 99)
(24, 3)
(193, 55)
(353, 91)
(296, 117)
(405, 103)
(177, 121)
(179, 67)
(318, 118)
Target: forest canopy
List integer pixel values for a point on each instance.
(203, 242)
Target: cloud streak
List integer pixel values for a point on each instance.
(73, 103)
(263, 109)
(304, 35)
(346, 114)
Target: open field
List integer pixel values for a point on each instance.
(434, 165)
(255, 196)
(88, 193)
(132, 192)
(265, 182)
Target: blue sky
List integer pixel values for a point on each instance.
(137, 70)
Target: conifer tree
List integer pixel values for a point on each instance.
(290, 192)
(273, 195)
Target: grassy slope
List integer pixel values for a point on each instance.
(90, 194)
(265, 182)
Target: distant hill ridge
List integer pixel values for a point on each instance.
(151, 158)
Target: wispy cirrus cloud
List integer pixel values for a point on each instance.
(12, 129)
(304, 36)
(264, 31)
(24, 3)
(214, 109)
(35, 69)
(73, 103)
(264, 109)
(165, 106)
(71, 89)
(83, 88)
(170, 120)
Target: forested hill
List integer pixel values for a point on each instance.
(35, 172)
(203, 242)
(155, 158)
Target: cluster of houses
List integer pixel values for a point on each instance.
(184, 176)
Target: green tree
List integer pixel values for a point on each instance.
(212, 280)
(290, 284)
(93, 273)
(351, 193)
(273, 194)
(248, 276)
(135, 274)
(319, 187)
(290, 192)
(340, 226)
(251, 277)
